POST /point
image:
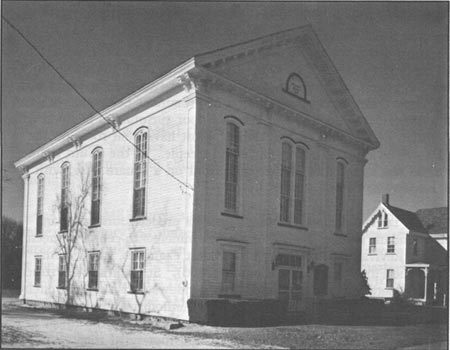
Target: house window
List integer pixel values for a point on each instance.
(64, 210)
(40, 204)
(137, 270)
(228, 272)
(415, 243)
(140, 173)
(382, 219)
(286, 171)
(295, 192)
(391, 245)
(232, 167)
(96, 186)
(37, 271)
(320, 283)
(62, 271)
(372, 245)
(93, 270)
(389, 278)
(340, 190)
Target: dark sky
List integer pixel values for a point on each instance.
(392, 56)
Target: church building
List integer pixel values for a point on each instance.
(238, 174)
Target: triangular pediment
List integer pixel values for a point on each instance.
(292, 68)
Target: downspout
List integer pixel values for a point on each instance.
(24, 237)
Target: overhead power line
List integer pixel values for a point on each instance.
(90, 104)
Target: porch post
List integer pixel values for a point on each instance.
(425, 271)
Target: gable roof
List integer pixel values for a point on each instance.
(407, 218)
(435, 220)
(306, 39)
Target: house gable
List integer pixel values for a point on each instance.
(383, 218)
(293, 68)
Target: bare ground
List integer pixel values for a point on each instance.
(30, 327)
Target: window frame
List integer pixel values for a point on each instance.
(415, 246)
(341, 208)
(383, 221)
(62, 278)
(226, 272)
(93, 270)
(64, 204)
(390, 249)
(390, 278)
(97, 180)
(289, 199)
(37, 271)
(233, 151)
(140, 157)
(139, 270)
(40, 205)
(374, 245)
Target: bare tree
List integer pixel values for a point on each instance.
(71, 206)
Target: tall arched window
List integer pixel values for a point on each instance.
(293, 176)
(96, 186)
(340, 196)
(232, 167)
(64, 206)
(286, 174)
(40, 205)
(140, 173)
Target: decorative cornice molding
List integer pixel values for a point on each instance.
(76, 142)
(49, 156)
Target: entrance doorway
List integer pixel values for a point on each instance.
(290, 287)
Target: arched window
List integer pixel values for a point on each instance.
(382, 219)
(340, 195)
(232, 167)
(96, 186)
(40, 204)
(64, 206)
(140, 173)
(293, 177)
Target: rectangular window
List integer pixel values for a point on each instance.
(37, 271)
(372, 245)
(286, 171)
(299, 185)
(391, 245)
(338, 272)
(62, 271)
(140, 174)
(340, 182)
(64, 197)
(40, 204)
(137, 270)
(228, 272)
(415, 243)
(389, 278)
(96, 187)
(93, 270)
(232, 167)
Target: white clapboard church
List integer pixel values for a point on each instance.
(238, 174)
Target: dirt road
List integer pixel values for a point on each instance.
(24, 327)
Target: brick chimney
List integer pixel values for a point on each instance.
(385, 199)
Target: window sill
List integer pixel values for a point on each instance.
(94, 226)
(92, 289)
(382, 228)
(138, 218)
(285, 224)
(63, 231)
(224, 213)
(391, 253)
(389, 288)
(372, 254)
(37, 236)
(136, 292)
(61, 287)
(340, 234)
(229, 296)
(37, 286)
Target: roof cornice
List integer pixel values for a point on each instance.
(111, 114)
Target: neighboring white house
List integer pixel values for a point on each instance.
(245, 180)
(398, 253)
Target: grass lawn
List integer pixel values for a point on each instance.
(326, 336)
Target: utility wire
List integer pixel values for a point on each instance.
(90, 104)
